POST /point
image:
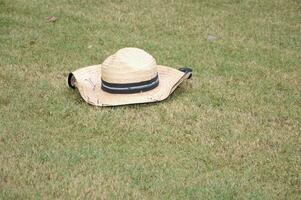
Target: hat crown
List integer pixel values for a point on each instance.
(129, 65)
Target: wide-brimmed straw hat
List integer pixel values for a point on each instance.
(129, 76)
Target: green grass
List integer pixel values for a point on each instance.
(232, 132)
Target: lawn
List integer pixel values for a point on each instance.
(231, 132)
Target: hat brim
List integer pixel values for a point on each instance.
(88, 82)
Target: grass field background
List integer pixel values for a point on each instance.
(231, 132)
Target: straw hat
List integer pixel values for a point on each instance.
(129, 76)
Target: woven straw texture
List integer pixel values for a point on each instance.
(129, 65)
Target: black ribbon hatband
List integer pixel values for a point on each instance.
(130, 88)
